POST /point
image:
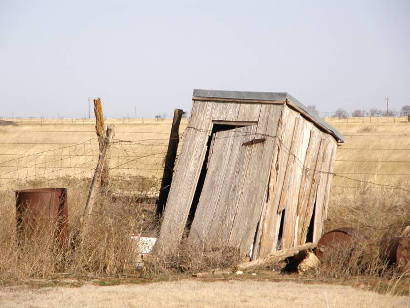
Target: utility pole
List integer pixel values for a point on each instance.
(387, 105)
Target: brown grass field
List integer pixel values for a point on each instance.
(370, 191)
(189, 293)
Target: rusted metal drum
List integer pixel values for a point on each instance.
(403, 255)
(396, 251)
(42, 212)
(336, 238)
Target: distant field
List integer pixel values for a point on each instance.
(33, 149)
(376, 150)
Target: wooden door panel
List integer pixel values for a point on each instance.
(218, 203)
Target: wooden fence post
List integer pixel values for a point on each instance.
(97, 173)
(101, 134)
(99, 122)
(169, 161)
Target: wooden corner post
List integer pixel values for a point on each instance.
(101, 134)
(169, 161)
(97, 173)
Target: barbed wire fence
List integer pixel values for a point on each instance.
(140, 154)
(140, 157)
(348, 175)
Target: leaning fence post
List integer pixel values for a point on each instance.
(169, 161)
(100, 130)
(97, 173)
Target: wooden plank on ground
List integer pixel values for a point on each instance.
(276, 257)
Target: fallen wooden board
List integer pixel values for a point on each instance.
(277, 257)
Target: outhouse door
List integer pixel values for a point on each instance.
(221, 203)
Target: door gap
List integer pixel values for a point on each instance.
(253, 245)
(309, 235)
(280, 233)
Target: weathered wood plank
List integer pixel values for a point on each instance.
(225, 158)
(276, 257)
(224, 112)
(218, 161)
(321, 189)
(330, 178)
(311, 203)
(289, 198)
(254, 189)
(215, 176)
(248, 112)
(228, 204)
(296, 140)
(188, 169)
(186, 176)
(232, 195)
(259, 228)
(271, 220)
(307, 182)
(169, 161)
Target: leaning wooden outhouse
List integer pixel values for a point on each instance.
(254, 173)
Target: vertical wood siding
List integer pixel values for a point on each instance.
(247, 188)
(191, 159)
(270, 223)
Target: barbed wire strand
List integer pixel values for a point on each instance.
(119, 166)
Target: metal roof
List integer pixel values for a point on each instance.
(269, 97)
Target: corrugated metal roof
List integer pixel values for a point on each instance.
(269, 97)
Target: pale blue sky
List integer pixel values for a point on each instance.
(149, 55)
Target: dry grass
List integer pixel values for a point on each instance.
(375, 149)
(190, 259)
(378, 214)
(189, 293)
(373, 211)
(105, 248)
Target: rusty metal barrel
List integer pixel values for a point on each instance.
(396, 250)
(336, 238)
(42, 212)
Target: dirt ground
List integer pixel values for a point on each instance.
(191, 293)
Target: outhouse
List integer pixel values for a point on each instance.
(254, 173)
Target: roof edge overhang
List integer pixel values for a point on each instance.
(266, 98)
